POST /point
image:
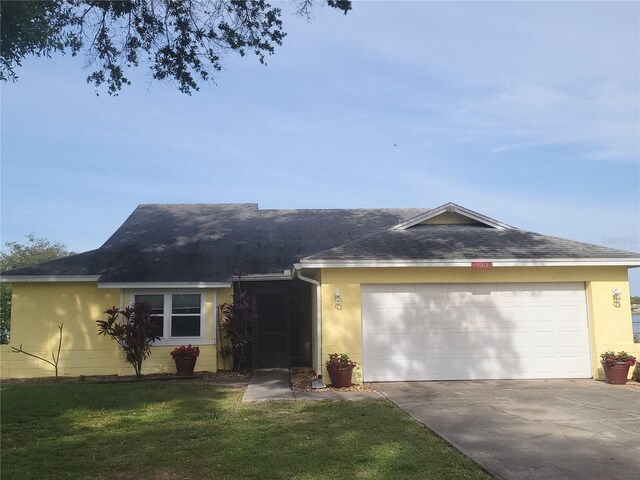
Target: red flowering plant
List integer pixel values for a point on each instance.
(611, 358)
(339, 361)
(185, 351)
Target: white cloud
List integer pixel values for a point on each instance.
(604, 119)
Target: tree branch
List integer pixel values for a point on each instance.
(55, 361)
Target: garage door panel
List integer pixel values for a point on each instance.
(538, 340)
(431, 319)
(382, 346)
(393, 345)
(543, 318)
(522, 341)
(474, 341)
(428, 345)
(377, 301)
(556, 366)
(482, 367)
(391, 370)
(572, 362)
(573, 339)
(432, 342)
(388, 320)
(483, 317)
(474, 331)
(568, 316)
(544, 365)
(508, 313)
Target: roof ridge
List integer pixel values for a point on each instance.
(256, 207)
(359, 239)
(342, 245)
(225, 204)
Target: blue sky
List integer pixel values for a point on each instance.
(526, 112)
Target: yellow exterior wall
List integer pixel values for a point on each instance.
(610, 327)
(37, 309)
(449, 219)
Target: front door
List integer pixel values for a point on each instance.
(271, 329)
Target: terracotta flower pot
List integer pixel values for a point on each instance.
(340, 377)
(617, 373)
(185, 365)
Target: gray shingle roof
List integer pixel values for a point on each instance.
(209, 242)
(460, 242)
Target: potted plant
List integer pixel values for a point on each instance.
(185, 358)
(616, 366)
(340, 368)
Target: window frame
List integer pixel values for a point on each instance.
(166, 338)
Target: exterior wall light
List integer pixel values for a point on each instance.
(337, 298)
(617, 296)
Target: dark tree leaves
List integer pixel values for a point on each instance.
(132, 328)
(180, 40)
(32, 28)
(236, 324)
(34, 250)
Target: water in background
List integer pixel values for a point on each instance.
(635, 318)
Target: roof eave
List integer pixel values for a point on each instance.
(158, 285)
(498, 262)
(263, 277)
(48, 278)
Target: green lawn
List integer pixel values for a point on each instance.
(192, 430)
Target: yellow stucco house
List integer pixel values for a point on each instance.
(410, 294)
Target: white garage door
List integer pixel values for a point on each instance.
(474, 331)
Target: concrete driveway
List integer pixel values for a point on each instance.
(547, 430)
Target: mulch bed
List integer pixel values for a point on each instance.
(302, 377)
(219, 378)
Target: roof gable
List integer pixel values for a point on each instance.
(451, 214)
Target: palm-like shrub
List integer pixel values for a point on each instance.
(132, 328)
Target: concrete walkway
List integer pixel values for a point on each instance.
(268, 384)
(273, 384)
(331, 395)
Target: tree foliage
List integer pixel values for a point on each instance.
(237, 326)
(180, 40)
(34, 250)
(133, 330)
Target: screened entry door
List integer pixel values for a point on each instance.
(271, 330)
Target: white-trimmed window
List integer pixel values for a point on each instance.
(176, 315)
